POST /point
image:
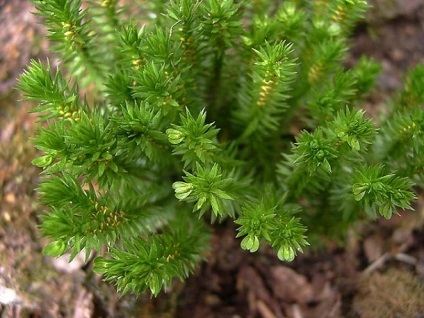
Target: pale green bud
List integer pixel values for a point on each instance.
(175, 136)
(286, 254)
(251, 243)
(182, 189)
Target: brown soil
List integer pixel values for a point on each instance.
(378, 273)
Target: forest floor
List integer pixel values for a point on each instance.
(379, 272)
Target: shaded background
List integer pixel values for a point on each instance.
(379, 273)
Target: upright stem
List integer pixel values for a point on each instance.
(215, 81)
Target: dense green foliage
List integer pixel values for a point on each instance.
(215, 110)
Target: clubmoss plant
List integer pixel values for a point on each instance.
(210, 110)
